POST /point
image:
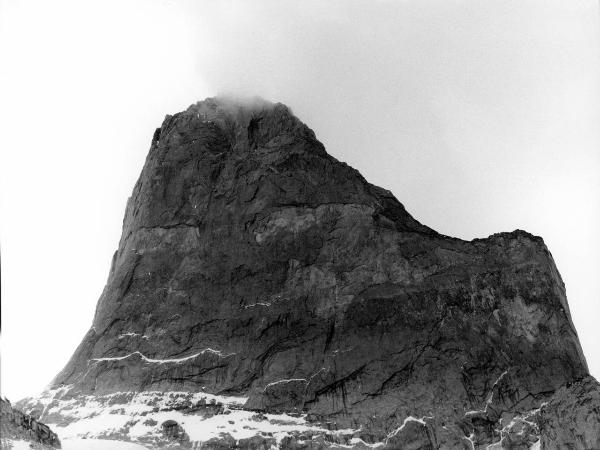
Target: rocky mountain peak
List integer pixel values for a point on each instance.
(258, 275)
(239, 125)
(249, 121)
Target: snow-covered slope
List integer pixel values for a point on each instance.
(156, 419)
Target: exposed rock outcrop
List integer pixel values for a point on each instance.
(254, 265)
(175, 433)
(17, 426)
(571, 419)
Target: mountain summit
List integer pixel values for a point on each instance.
(265, 294)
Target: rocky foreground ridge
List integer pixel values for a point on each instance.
(264, 294)
(17, 428)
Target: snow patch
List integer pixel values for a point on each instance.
(132, 335)
(47, 397)
(471, 438)
(137, 417)
(17, 445)
(490, 398)
(257, 304)
(164, 361)
(99, 444)
(401, 427)
(290, 380)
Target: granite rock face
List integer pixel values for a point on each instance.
(254, 265)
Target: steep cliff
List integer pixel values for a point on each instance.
(259, 272)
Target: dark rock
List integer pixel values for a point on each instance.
(288, 395)
(174, 432)
(522, 433)
(300, 443)
(15, 425)
(256, 443)
(224, 442)
(253, 263)
(571, 419)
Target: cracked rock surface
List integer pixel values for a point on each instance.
(254, 264)
(572, 417)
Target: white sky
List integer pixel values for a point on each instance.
(480, 116)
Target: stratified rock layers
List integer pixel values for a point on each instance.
(252, 263)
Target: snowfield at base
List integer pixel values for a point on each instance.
(86, 444)
(239, 424)
(133, 421)
(19, 445)
(137, 417)
(99, 444)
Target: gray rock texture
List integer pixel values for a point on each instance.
(17, 426)
(572, 417)
(253, 263)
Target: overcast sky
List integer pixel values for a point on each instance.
(480, 116)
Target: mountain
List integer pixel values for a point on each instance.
(265, 294)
